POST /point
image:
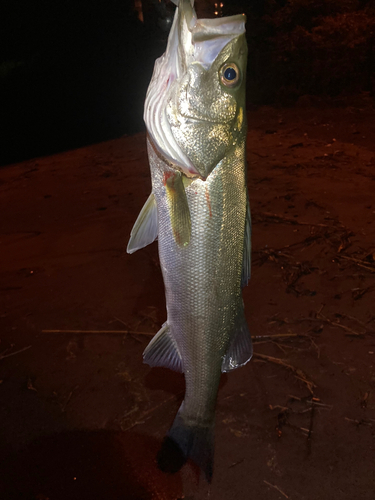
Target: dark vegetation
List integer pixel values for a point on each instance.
(71, 73)
(74, 73)
(315, 47)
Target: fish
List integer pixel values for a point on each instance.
(199, 212)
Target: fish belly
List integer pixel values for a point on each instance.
(203, 279)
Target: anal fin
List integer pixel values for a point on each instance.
(145, 229)
(162, 351)
(240, 350)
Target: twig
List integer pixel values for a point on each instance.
(306, 410)
(339, 325)
(359, 262)
(297, 372)
(120, 320)
(66, 402)
(278, 336)
(278, 251)
(99, 332)
(309, 384)
(280, 346)
(316, 346)
(258, 154)
(316, 403)
(310, 430)
(322, 318)
(278, 407)
(359, 422)
(63, 407)
(236, 463)
(276, 319)
(295, 398)
(359, 322)
(125, 324)
(276, 488)
(2, 356)
(289, 220)
(148, 413)
(305, 431)
(30, 385)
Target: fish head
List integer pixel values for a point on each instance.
(195, 105)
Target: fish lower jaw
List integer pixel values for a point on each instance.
(196, 119)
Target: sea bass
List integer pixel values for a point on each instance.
(199, 212)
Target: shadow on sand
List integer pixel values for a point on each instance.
(80, 465)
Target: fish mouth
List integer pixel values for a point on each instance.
(186, 8)
(191, 40)
(207, 36)
(194, 119)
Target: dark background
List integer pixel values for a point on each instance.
(76, 72)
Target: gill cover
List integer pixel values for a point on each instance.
(194, 109)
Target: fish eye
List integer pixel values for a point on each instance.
(229, 74)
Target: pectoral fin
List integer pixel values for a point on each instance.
(240, 350)
(178, 208)
(162, 351)
(246, 267)
(145, 229)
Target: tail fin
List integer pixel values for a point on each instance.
(187, 441)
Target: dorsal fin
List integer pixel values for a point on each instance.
(246, 267)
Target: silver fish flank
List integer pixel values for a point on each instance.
(199, 211)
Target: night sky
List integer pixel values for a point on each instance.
(72, 73)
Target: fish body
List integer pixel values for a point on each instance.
(199, 211)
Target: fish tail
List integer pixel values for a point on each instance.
(185, 441)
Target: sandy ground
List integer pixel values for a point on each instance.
(81, 416)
